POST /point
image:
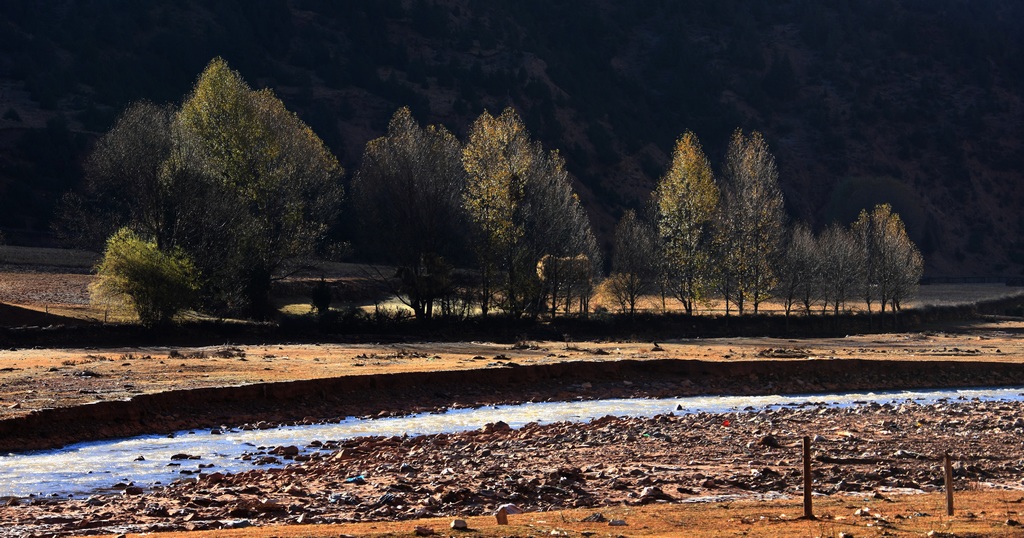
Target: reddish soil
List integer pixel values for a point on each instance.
(608, 466)
(873, 453)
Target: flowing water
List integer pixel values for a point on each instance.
(146, 461)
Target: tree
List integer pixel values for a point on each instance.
(125, 180)
(752, 221)
(894, 264)
(231, 178)
(520, 202)
(273, 168)
(407, 196)
(135, 272)
(800, 270)
(634, 264)
(687, 198)
(842, 266)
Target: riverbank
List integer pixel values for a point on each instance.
(867, 455)
(49, 398)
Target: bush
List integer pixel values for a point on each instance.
(136, 273)
(320, 297)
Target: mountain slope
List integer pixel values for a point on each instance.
(913, 102)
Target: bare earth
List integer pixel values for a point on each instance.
(42, 378)
(703, 475)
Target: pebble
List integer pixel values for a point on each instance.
(459, 524)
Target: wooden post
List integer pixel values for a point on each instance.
(808, 510)
(948, 464)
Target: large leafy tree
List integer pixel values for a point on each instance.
(752, 222)
(232, 178)
(274, 167)
(521, 204)
(687, 198)
(407, 196)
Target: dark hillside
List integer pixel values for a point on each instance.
(913, 102)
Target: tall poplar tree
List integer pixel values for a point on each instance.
(687, 198)
(752, 220)
(520, 201)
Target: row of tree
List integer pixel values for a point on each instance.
(500, 203)
(230, 185)
(707, 240)
(204, 204)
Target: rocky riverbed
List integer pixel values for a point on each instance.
(872, 449)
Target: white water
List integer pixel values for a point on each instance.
(95, 467)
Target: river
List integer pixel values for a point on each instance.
(146, 461)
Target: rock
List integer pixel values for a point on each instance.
(499, 426)
(423, 531)
(295, 491)
(156, 510)
(140, 458)
(133, 490)
(652, 494)
(617, 523)
(501, 517)
(236, 524)
(286, 451)
(770, 441)
(596, 517)
(511, 509)
(459, 524)
(1012, 523)
(845, 535)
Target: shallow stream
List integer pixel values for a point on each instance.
(96, 467)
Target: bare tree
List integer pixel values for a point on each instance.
(800, 270)
(634, 263)
(407, 197)
(842, 263)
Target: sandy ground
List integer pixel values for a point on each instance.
(42, 378)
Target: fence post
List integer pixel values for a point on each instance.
(947, 463)
(808, 510)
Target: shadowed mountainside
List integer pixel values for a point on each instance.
(917, 103)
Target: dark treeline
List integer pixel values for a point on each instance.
(205, 204)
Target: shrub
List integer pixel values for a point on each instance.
(320, 297)
(136, 273)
